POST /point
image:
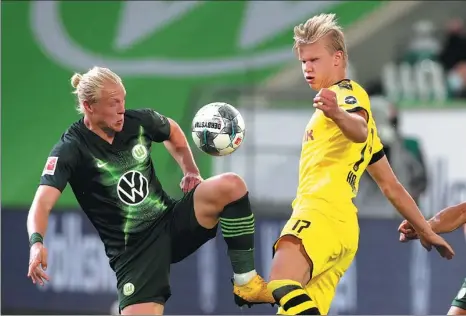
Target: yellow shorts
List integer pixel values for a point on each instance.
(330, 244)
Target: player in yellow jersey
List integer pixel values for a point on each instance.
(320, 240)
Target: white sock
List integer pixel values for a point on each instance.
(244, 278)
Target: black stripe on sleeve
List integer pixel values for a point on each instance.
(357, 109)
(377, 156)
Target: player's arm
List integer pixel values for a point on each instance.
(350, 117)
(445, 221)
(55, 176)
(44, 200)
(352, 125)
(449, 219)
(177, 145)
(166, 130)
(57, 171)
(383, 175)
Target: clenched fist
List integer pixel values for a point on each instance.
(326, 101)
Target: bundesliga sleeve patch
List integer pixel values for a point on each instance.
(50, 166)
(350, 100)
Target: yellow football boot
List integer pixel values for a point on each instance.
(253, 293)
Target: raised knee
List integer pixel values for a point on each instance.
(231, 187)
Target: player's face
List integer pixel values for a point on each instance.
(110, 109)
(318, 64)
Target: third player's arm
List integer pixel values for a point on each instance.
(449, 219)
(383, 175)
(177, 145)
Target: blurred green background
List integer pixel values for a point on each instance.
(37, 104)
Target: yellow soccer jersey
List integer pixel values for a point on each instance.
(331, 165)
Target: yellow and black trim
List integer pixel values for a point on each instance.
(377, 156)
(357, 109)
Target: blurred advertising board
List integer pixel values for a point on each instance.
(440, 133)
(387, 277)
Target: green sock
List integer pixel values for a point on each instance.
(238, 225)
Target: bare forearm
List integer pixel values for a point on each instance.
(352, 126)
(449, 219)
(38, 216)
(184, 158)
(406, 206)
(178, 147)
(38, 219)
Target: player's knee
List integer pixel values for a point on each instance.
(230, 187)
(214, 194)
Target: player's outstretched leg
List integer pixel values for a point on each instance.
(225, 198)
(291, 268)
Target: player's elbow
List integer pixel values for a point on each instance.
(391, 189)
(361, 136)
(359, 130)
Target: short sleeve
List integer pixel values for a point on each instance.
(352, 99)
(351, 103)
(377, 149)
(60, 166)
(157, 125)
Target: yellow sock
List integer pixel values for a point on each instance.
(292, 298)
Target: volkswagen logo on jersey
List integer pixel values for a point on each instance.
(132, 188)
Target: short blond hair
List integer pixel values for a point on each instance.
(318, 27)
(87, 86)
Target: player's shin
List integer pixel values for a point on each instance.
(238, 225)
(292, 298)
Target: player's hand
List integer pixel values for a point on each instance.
(326, 101)
(38, 264)
(407, 231)
(430, 239)
(189, 181)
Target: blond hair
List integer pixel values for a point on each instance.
(318, 27)
(88, 86)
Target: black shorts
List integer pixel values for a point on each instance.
(460, 299)
(143, 275)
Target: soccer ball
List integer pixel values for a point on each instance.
(218, 129)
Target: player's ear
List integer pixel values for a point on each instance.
(87, 106)
(338, 58)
